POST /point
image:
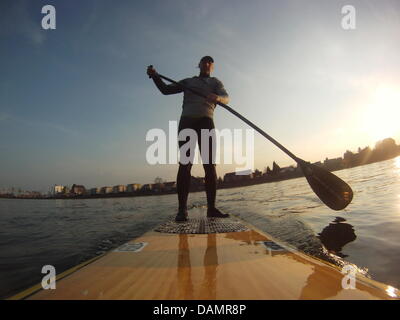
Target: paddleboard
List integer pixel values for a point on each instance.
(208, 259)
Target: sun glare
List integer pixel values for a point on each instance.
(397, 162)
(382, 114)
(392, 292)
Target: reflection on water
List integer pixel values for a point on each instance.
(335, 236)
(210, 264)
(184, 276)
(209, 286)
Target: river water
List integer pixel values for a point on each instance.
(64, 233)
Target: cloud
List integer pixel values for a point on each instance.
(15, 19)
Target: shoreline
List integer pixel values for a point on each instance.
(280, 176)
(254, 181)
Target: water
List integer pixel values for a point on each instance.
(64, 233)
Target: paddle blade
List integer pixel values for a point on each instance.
(332, 190)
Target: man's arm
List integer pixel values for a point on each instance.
(164, 88)
(223, 96)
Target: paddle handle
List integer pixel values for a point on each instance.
(237, 114)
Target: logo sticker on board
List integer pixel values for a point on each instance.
(270, 245)
(131, 247)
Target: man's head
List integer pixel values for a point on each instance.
(206, 65)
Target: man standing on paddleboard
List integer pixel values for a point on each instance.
(197, 114)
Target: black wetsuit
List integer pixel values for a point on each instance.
(197, 114)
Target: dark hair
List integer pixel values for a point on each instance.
(207, 58)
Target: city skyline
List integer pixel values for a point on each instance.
(76, 103)
(331, 164)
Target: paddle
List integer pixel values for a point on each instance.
(332, 190)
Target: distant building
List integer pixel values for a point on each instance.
(349, 159)
(106, 190)
(58, 189)
(133, 187)
(157, 187)
(197, 181)
(35, 194)
(388, 144)
(230, 177)
(318, 164)
(170, 186)
(288, 169)
(93, 191)
(119, 188)
(146, 187)
(386, 149)
(233, 177)
(257, 174)
(334, 164)
(364, 155)
(275, 168)
(78, 189)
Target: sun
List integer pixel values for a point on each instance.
(382, 114)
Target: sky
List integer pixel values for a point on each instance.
(76, 103)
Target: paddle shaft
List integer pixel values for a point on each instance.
(263, 133)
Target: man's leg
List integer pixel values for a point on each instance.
(183, 177)
(210, 184)
(183, 186)
(208, 151)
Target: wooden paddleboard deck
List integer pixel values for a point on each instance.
(245, 264)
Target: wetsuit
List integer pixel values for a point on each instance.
(197, 114)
